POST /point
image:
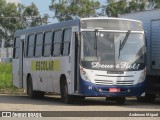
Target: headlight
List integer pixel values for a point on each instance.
(142, 76)
(84, 74)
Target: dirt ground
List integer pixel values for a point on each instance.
(53, 103)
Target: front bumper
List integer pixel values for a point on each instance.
(89, 89)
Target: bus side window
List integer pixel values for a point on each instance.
(39, 45)
(66, 41)
(31, 44)
(52, 46)
(47, 44)
(16, 47)
(57, 43)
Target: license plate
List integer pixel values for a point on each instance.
(114, 90)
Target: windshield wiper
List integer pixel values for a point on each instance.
(124, 40)
(121, 45)
(95, 41)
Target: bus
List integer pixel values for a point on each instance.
(88, 57)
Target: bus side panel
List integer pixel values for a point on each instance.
(44, 78)
(47, 80)
(66, 70)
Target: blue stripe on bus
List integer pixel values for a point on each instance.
(90, 89)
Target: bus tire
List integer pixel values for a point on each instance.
(120, 100)
(30, 92)
(65, 97)
(81, 97)
(150, 98)
(39, 94)
(140, 99)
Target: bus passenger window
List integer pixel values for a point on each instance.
(47, 44)
(39, 45)
(31, 42)
(66, 42)
(57, 43)
(16, 47)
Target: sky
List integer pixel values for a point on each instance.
(43, 6)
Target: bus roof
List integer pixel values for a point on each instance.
(61, 25)
(49, 27)
(110, 18)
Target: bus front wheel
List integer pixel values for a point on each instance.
(149, 98)
(118, 100)
(65, 97)
(30, 92)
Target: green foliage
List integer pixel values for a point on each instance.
(14, 17)
(115, 7)
(157, 3)
(5, 75)
(8, 23)
(6, 85)
(136, 5)
(32, 13)
(70, 9)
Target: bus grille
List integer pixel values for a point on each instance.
(110, 82)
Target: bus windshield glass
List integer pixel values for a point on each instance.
(114, 50)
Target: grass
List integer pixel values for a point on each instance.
(5, 75)
(6, 85)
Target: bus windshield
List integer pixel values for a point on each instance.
(113, 51)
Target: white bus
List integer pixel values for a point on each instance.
(103, 57)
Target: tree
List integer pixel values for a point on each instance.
(115, 7)
(14, 17)
(71, 9)
(7, 21)
(157, 3)
(30, 17)
(136, 5)
(33, 16)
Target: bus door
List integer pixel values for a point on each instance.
(17, 63)
(21, 53)
(75, 60)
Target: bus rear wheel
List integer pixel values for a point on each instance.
(65, 97)
(30, 92)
